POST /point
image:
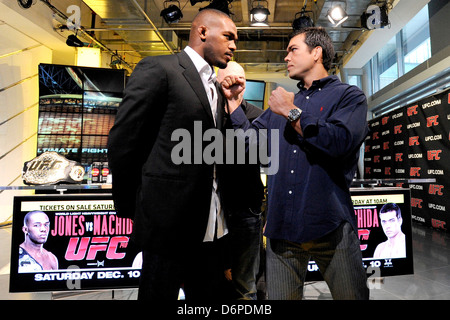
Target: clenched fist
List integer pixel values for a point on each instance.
(281, 101)
(233, 88)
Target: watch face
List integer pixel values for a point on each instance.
(294, 114)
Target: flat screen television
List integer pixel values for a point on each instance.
(377, 224)
(254, 92)
(86, 246)
(77, 108)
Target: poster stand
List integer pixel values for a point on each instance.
(372, 183)
(61, 188)
(61, 295)
(116, 274)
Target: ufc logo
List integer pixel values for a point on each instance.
(436, 189)
(398, 129)
(89, 247)
(434, 154)
(368, 170)
(438, 224)
(367, 149)
(386, 145)
(432, 121)
(398, 157)
(387, 171)
(376, 159)
(412, 110)
(375, 136)
(363, 235)
(414, 141)
(384, 120)
(416, 203)
(414, 172)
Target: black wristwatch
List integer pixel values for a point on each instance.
(294, 114)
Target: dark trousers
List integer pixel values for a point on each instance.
(245, 245)
(199, 272)
(338, 256)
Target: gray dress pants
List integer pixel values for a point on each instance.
(338, 256)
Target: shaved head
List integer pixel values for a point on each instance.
(212, 36)
(233, 71)
(206, 17)
(233, 68)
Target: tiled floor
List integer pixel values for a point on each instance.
(430, 281)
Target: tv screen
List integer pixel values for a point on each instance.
(381, 214)
(85, 245)
(254, 92)
(77, 107)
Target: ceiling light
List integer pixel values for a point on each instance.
(26, 4)
(221, 5)
(337, 15)
(73, 41)
(194, 2)
(171, 14)
(259, 15)
(302, 22)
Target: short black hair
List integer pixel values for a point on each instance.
(391, 207)
(318, 37)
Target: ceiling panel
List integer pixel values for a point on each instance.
(138, 24)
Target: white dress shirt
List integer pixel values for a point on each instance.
(208, 77)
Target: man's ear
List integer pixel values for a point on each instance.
(202, 32)
(318, 53)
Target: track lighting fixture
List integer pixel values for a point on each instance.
(221, 5)
(259, 15)
(172, 13)
(303, 21)
(73, 41)
(26, 4)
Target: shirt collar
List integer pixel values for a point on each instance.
(205, 71)
(317, 83)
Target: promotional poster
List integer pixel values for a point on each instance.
(83, 245)
(383, 217)
(71, 242)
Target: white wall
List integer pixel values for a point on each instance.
(27, 38)
(24, 44)
(399, 16)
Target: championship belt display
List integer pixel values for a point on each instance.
(51, 168)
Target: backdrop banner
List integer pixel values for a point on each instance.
(413, 142)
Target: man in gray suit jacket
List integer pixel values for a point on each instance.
(175, 206)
